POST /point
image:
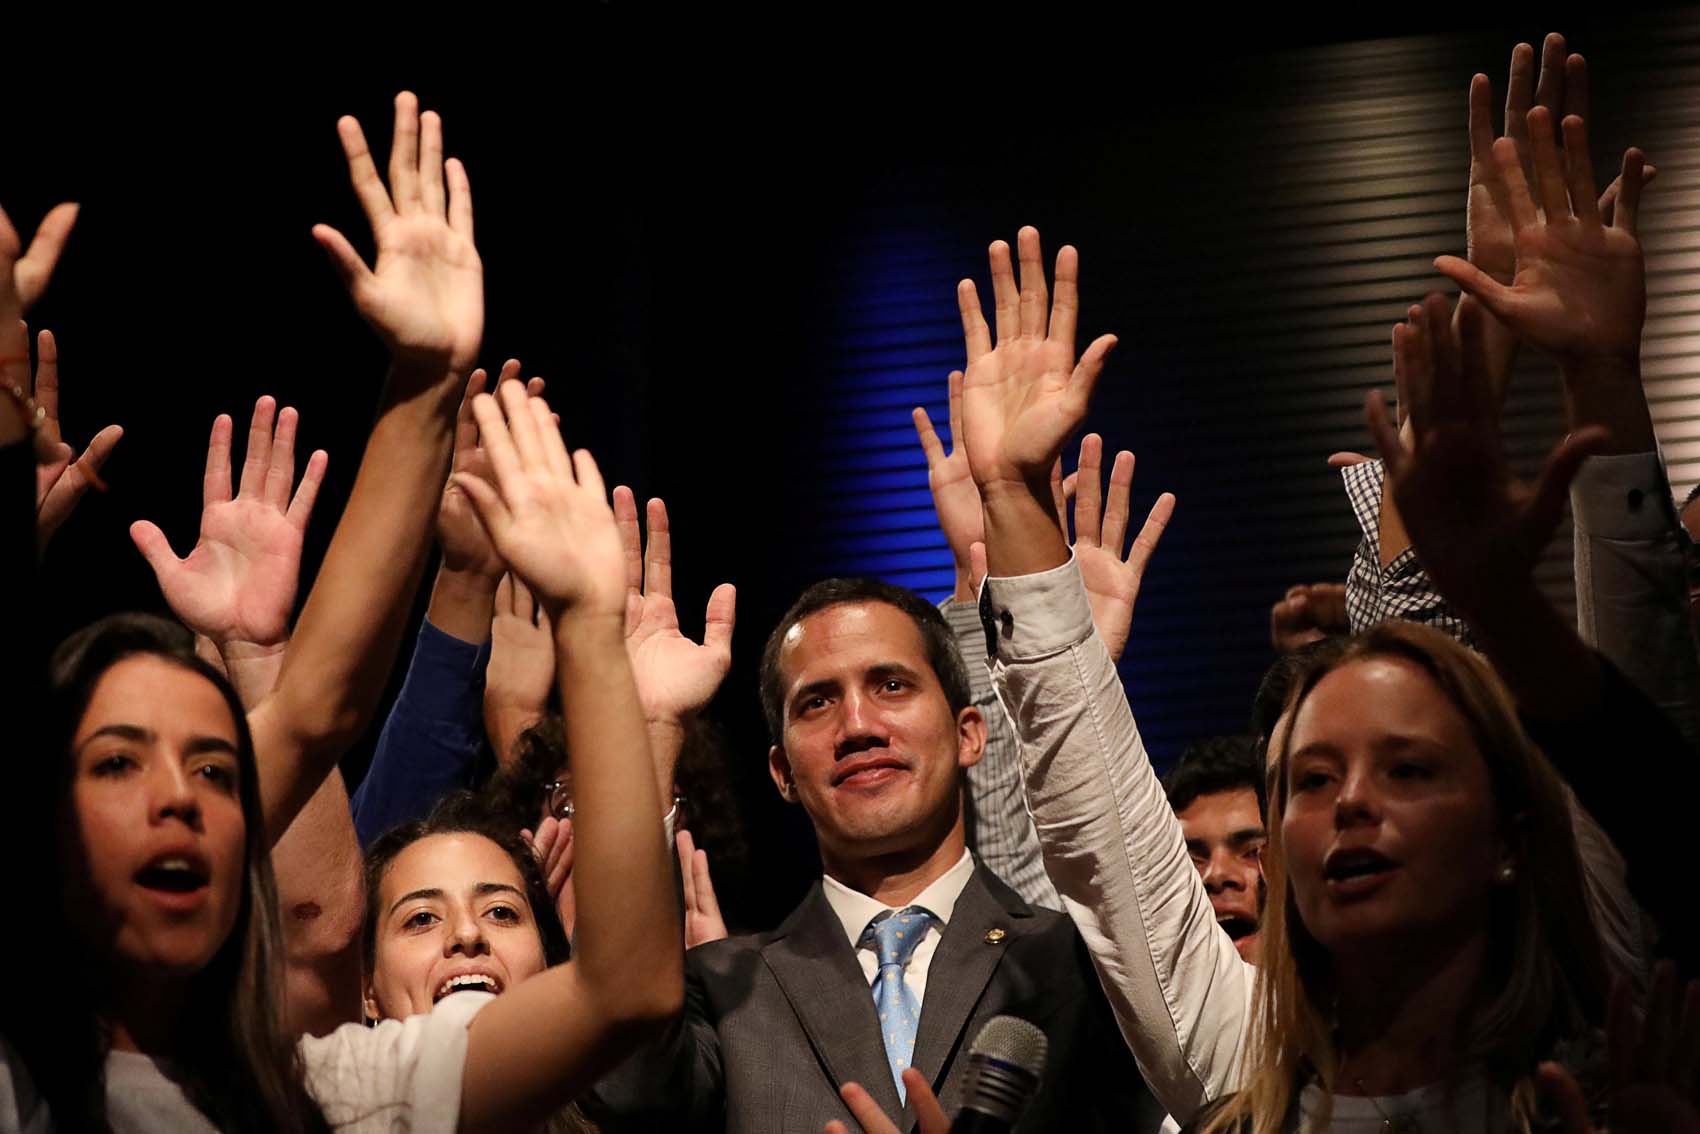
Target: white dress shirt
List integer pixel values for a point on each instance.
(855, 910)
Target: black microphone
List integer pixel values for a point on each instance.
(1005, 1067)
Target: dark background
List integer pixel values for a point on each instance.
(731, 252)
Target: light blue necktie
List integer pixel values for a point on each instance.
(895, 935)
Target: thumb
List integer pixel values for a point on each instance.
(155, 548)
(722, 615)
(1492, 294)
(1547, 505)
(977, 569)
(1345, 460)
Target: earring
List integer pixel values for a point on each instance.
(1508, 874)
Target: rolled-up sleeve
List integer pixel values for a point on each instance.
(1112, 846)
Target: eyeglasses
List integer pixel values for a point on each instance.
(560, 796)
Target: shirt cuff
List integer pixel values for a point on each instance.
(1624, 497)
(1034, 616)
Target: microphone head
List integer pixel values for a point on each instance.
(1005, 1066)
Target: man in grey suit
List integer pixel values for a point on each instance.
(906, 946)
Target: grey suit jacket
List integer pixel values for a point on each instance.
(775, 1023)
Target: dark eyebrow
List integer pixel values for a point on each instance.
(484, 888)
(121, 731)
(1246, 835)
(203, 744)
(891, 669)
(824, 685)
(428, 892)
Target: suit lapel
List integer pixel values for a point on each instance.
(817, 970)
(981, 928)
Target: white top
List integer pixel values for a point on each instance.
(1470, 1108)
(401, 1077)
(855, 910)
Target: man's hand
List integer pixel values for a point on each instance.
(929, 1115)
(35, 267)
(1307, 613)
(521, 670)
(676, 677)
(547, 513)
(1100, 527)
(1023, 394)
(238, 584)
(1476, 528)
(60, 482)
(703, 922)
(1579, 292)
(425, 296)
(466, 546)
(956, 498)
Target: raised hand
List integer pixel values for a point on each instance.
(1307, 613)
(1579, 292)
(956, 498)
(1100, 527)
(676, 677)
(466, 546)
(1655, 1065)
(521, 670)
(238, 583)
(425, 294)
(1476, 528)
(1024, 393)
(553, 845)
(61, 482)
(547, 513)
(35, 267)
(703, 922)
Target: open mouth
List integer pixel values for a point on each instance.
(173, 874)
(467, 982)
(1238, 927)
(1348, 866)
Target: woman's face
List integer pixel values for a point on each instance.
(452, 916)
(157, 826)
(1389, 826)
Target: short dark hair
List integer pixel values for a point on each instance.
(936, 639)
(1278, 681)
(1221, 763)
(463, 812)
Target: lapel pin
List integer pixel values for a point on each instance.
(993, 936)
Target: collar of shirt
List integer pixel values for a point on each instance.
(855, 910)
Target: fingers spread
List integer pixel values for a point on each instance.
(280, 477)
(466, 426)
(1088, 492)
(954, 386)
(1386, 437)
(431, 194)
(1579, 172)
(1034, 297)
(1520, 92)
(1006, 298)
(1550, 188)
(307, 492)
(35, 268)
(1633, 179)
(258, 459)
(363, 173)
(1116, 506)
(1520, 205)
(215, 484)
(721, 617)
(404, 154)
(349, 266)
(47, 380)
(460, 197)
(1065, 309)
(975, 335)
(930, 444)
(1481, 119)
(631, 538)
(866, 1110)
(658, 553)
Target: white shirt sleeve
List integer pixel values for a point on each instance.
(21, 1109)
(403, 1076)
(1180, 992)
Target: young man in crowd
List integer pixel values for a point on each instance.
(1217, 792)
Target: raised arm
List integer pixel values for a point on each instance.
(539, 1044)
(61, 482)
(1180, 992)
(425, 298)
(676, 677)
(1481, 531)
(1579, 295)
(236, 591)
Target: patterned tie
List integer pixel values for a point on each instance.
(895, 935)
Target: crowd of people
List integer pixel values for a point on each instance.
(1425, 890)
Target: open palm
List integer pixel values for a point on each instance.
(238, 584)
(1024, 394)
(425, 294)
(676, 677)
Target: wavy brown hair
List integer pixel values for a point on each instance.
(1545, 981)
